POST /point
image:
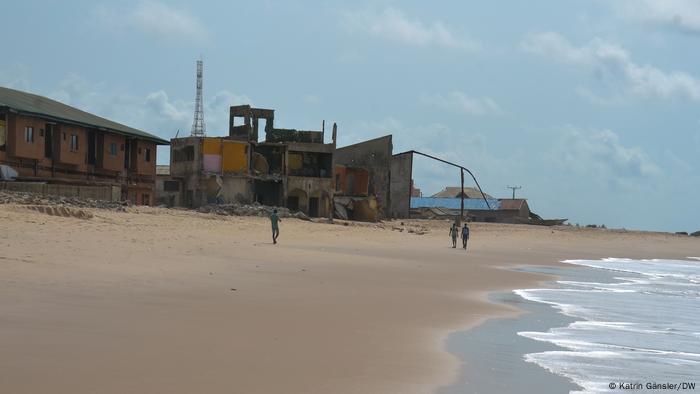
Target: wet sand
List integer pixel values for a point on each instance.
(494, 353)
(157, 300)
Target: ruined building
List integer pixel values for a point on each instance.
(388, 178)
(74, 153)
(291, 168)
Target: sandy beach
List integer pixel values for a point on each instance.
(157, 300)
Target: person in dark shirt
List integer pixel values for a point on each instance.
(274, 220)
(453, 233)
(465, 235)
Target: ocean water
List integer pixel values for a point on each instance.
(635, 321)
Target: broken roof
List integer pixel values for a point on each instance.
(453, 192)
(34, 105)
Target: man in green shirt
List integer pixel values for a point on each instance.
(274, 219)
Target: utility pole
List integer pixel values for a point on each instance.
(461, 206)
(514, 188)
(461, 172)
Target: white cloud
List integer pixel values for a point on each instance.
(459, 102)
(600, 154)
(683, 15)
(15, 77)
(613, 64)
(391, 24)
(155, 112)
(157, 19)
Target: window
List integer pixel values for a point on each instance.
(148, 154)
(184, 154)
(73, 143)
(29, 134)
(145, 199)
(113, 149)
(171, 186)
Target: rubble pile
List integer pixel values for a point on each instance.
(254, 209)
(24, 198)
(410, 228)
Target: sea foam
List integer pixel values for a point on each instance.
(639, 324)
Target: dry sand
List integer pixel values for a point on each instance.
(167, 301)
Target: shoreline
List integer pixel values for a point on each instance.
(177, 301)
(500, 350)
(510, 372)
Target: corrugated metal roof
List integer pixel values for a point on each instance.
(453, 192)
(32, 104)
(454, 203)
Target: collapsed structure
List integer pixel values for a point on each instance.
(59, 149)
(291, 168)
(372, 183)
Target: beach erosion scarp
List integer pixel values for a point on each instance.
(161, 300)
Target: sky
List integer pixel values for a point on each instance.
(591, 106)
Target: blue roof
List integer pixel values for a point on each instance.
(454, 203)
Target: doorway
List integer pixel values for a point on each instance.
(127, 151)
(48, 141)
(268, 193)
(92, 148)
(313, 207)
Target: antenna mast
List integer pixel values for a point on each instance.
(198, 127)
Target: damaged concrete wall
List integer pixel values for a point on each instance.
(292, 135)
(401, 173)
(314, 195)
(376, 157)
(351, 181)
(235, 189)
(185, 156)
(186, 164)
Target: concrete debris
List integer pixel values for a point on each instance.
(7, 173)
(418, 230)
(254, 209)
(34, 199)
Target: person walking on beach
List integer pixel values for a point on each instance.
(465, 235)
(274, 220)
(453, 233)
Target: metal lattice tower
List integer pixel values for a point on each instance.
(199, 129)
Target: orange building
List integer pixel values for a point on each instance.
(47, 141)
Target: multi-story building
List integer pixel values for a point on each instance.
(291, 168)
(47, 141)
